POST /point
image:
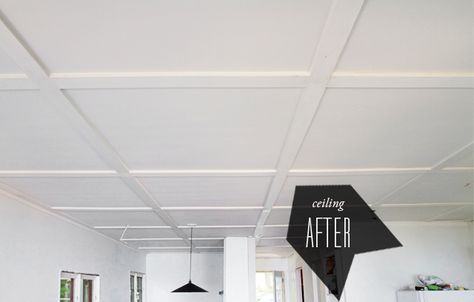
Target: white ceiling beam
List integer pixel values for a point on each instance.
(178, 247)
(198, 208)
(101, 209)
(54, 97)
(269, 79)
(401, 80)
(339, 24)
(207, 172)
(57, 173)
(135, 227)
(172, 239)
(368, 171)
(120, 80)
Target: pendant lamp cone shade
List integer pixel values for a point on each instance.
(190, 287)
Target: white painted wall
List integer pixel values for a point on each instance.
(36, 246)
(168, 271)
(439, 248)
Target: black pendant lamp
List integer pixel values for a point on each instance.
(190, 287)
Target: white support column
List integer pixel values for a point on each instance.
(239, 269)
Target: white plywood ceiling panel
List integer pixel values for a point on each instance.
(438, 187)
(370, 187)
(411, 213)
(208, 191)
(192, 128)
(117, 218)
(215, 217)
(279, 217)
(135, 36)
(386, 128)
(412, 36)
(7, 66)
(275, 231)
(34, 137)
(76, 191)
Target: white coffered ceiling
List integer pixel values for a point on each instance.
(137, 118)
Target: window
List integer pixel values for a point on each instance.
(75, 287)
(136, 287)
(270, 287)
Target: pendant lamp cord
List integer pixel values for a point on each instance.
(191, 255)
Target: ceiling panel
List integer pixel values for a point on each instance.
(462, 213)
(117, 218)
(438, 187)
(370, 187)
(411, 213)
(208, 191)
(279, 217)
(215, 217)
(192, 128)
(33, 137)
(221, 232)
(275, 231)
(408, 36)
(386, 128)
(206, 35)
(76, 191)
(7, 65)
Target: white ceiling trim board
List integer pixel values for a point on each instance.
(102, 209)
(171, 239)
(178, 247)
(338, 27)
(401, 80)
(368, 171)
(211, 208)
(185, 173)
(136, 227)
(120, 80)
(441, 204)
(57, 173)
(239, 226)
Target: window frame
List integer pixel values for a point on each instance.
(78, 284)
(135, 276)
